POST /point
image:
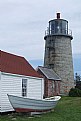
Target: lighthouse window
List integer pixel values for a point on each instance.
(51, 65)
(52, 27)
(64, 27)
(48, 52)
(58, 26)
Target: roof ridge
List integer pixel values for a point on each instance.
(11, 54)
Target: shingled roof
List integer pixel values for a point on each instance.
(49, 73)
(14, 64)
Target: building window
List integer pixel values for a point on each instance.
(53, 86)
(24, 87)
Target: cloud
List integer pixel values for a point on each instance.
(23, 22)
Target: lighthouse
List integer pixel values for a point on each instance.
(58, 52)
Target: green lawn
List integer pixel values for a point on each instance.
(68, 109)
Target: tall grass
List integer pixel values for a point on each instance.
(68, 109)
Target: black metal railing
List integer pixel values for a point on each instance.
(58, 32)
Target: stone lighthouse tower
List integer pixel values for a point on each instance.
(58, 52)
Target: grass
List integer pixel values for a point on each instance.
(68, 109)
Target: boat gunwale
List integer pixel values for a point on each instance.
(55, 98)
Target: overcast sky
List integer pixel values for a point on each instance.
(23, 24)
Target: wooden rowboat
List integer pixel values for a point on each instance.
(21, 104)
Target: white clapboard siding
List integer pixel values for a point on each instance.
(9, 85)
(34, 88)
(12, 84)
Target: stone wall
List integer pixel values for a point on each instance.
(58, 56)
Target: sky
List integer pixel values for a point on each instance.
(23, 24)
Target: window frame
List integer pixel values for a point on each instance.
(24, 87)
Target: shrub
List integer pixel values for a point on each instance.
(75, 92)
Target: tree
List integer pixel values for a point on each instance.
(78, 81)
(77, 77)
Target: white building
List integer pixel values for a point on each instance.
(17, 77)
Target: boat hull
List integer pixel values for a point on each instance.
(21, 104)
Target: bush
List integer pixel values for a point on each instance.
(75, 92)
